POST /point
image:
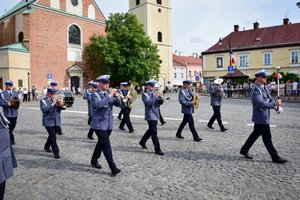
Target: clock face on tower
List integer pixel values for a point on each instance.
(74, 2)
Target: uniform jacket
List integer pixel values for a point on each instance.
(215, 95)
(51, 114)
(7, 157)
(4, 99)
(262, 102)
(185, 98)
(151, 103)
(102, 109)
(87, 97)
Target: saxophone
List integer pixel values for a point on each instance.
(196, 99)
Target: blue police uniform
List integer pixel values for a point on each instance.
(10, 113)
(102, 123)
(262, 102)
(125, 111)
(7, 157)
(151, 102)
(185, 98)
(216, 103)
(51, 120)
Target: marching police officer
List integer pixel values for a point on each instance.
(102, 102)
(186, 99)
(87, 96)
(7, 159)
(151, 100)
(216, 94)
(9, 112)
(123, 91)
(53, 84)
(262, 102)
(51, 119)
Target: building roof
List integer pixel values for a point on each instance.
(186, 60)
(259, 38)
(237, 74)
(20, 5)
(15, 47)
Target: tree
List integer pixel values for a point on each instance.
(126, 52)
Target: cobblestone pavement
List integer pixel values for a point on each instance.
(210, 169)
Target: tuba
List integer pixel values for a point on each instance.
(196, 99)
(218, 83)
(129, 102)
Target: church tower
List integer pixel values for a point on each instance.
(155, 15)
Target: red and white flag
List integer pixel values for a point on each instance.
(232, 59)
(277, 74)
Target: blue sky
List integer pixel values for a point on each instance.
(197, 24)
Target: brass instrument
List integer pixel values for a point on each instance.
(196, 99)
(14, 102)
(59, 97)
(128, 102)
(218, 83)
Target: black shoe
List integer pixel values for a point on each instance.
(224, 129)
(115, 172)
(47, 149)
(60, 133)
(209, 126)
(180, 136)
(143, 145)
(197, 139)
(96, 165)
(163, 123)
(159, 153)
(279, 160)
(131, 131)
(57, 156)
(246, 155)
(90, 137)
(123, 129)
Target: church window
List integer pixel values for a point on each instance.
(137, 2)
(74, 35)
(20, 37)
(159, 37)
(158, 2)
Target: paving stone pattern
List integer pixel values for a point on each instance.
(210, 169)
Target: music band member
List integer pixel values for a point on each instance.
(10, 111)
(53, 84)
(51, 119)
(216, 95)
(7, 159)
(151, 100)
(102, 102)
(186, 99)
(125, 110)
(87, 96)
(262, 102)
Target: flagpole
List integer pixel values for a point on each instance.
(279, 108)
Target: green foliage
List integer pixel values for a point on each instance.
(126, 52)
(285, 77)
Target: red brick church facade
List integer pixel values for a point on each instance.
(55, 32)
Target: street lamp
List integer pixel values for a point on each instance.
(28, 76)
(229, 47)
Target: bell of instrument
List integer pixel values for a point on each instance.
(218, 81)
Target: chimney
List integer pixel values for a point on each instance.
(255, 25)
(236, 28)
(285, 21)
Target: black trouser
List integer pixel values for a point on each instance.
(2, 190)
(90, 120)
(58, 130)
(126, 119)
(188, 118)
(264, 131)
(216, 115)
(151, 132)
(103, 144)
(12, 126)
(161, 119)
(51, 141)
(120, 114)
(24, 97)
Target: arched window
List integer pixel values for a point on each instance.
(158, 2)
(159, 37)
(74, 35)
(137, 2)
(20, 37)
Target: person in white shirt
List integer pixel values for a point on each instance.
(295, 89)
